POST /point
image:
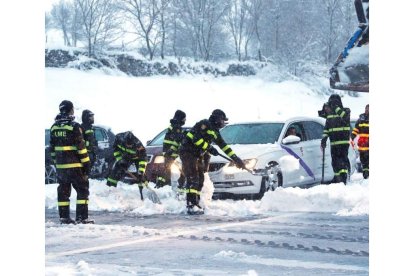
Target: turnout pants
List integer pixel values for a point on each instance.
(193, 167)
(118, 169)
(340, 162)
(364, 157)
(76, 178)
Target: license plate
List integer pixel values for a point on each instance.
(229, 176)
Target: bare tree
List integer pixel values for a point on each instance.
(61, 14)
(201, 20)
(255, 9)
(143, 16)
(100, 22)
(332, 8)
(163, 24)
(237, 19)
(48, 23)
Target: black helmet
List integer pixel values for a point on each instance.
(87, 117)
(65, 107)
(334, 100)
(129, 138)
(179, 116)
(218, 118)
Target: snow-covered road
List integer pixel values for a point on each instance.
(285, 243)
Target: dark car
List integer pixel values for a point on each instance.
(105, 138)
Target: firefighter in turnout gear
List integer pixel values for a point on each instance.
(195, 151)
(128, 150)
(172, 141)
(72, 163)
(337, 129)
(89, 135)
(361, 130)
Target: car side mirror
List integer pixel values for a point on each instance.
(291, 139)
(149, 141)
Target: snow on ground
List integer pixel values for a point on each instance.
(342, 200)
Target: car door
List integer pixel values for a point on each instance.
(314, 132)
(299, 151)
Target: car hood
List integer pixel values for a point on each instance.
(248, 151)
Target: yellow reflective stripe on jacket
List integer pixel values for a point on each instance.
(62, 127)
(338, 129)
(230, 154)
(332, 116)
(339, 109)
(86, 159)
(339, 142)
(190, 135)
(212, 133)
(65, 148)
(174, 155)
(82, 151)
(364, 135)
(363, 148)
(82, 201)
(171, 142)
(118, 158)
(199, 142)
(225, 148)
(63, 203)
(364, 125)
(127, 150)
(69, 166)
(89, 131)
(205, 145)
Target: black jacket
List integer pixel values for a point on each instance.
(89, 137)
(172, 139)
(337, 126)
(67, 145)
(200, 138)
(135, 153)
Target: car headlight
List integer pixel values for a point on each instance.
(175, 168)
(249, 163)
(159, 159)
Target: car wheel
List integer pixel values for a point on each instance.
(50, 174)
(274, 177)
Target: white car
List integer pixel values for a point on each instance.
(273, 160)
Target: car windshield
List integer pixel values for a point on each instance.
(257, 133)
(159, 139)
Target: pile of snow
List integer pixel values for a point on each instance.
(349, 200)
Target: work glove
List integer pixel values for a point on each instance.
(323, 142)
(212, 150)
(239, 163)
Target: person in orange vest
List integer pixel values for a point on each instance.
(361, 130)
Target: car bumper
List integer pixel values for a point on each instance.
(235, 181)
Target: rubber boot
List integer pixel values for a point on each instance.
(64, 215)
(82, 214)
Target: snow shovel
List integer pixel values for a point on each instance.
(230, 160)
(152, 195)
